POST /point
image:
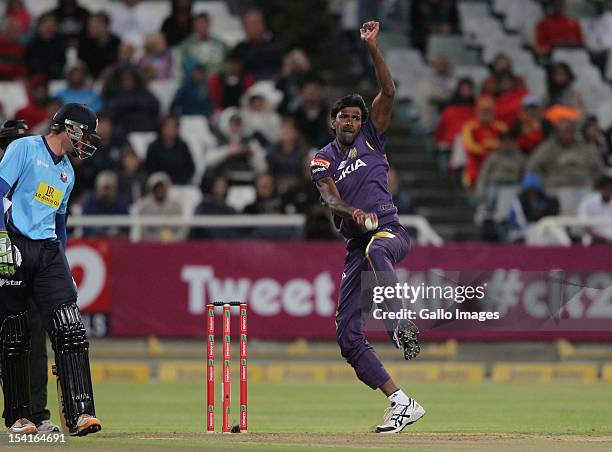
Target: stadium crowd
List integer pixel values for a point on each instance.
(263, 105)
(545, 148)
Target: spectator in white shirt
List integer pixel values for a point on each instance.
(598, 205)
(131, 22)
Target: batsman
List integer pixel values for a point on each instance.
(36, 179)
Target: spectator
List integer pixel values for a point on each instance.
(229, 85)
(286, 158)
(295, 71)
(238, 156)
(45, 53)
(598, 205)
(78, 89)
(481, 137)
(35, 112)
(267, 201)
(562, 160)
(156, 63)
(131, 22)
(435, 91)
(157, 202)
(107, 157)
(311, 114)
(131, 106)
(169, 153)
(178, 25)
(261, 53)
(429, 17)
(71, 21)
(214, 195)
(105, 201)
(592, 134)
(202, 47)
(52, 105)
(530, 128)
(260, 119)
(531, 205)
(16, 10)
(131, 175)
(556, 29)
(193, 96)
(503, 167)
(599, 36)
(561, 87)
(303, 198)
(460, 109)
(98, 48)
(500, 69)
(509, 99)
(401, 197)
(12, 52)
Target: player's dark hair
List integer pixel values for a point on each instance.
(350, 100)
(204, 16)
(604, 182)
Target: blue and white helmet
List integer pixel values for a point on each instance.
(80, 123)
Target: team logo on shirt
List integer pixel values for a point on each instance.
(64, 177)
(319, 162)
(352, 153)
(49, 195)
(351, 168)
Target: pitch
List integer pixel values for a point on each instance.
(293, 416)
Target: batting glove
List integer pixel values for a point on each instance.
(10, 256)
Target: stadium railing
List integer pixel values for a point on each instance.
(554, 230)
(426, 235)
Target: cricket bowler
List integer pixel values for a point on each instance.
(36, 179)
(351, 176)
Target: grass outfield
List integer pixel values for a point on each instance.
(504, 417)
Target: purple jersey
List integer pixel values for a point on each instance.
(361, 178)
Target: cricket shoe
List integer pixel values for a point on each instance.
(23, 426)
(47, 426)
(86, 424)
(406, 337)
(398, 416)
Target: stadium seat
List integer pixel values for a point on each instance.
(494, 45)
(240, 196)
(535, 78)
(522, 16)
(195, 132)
(505, 195)
(189, 197)
(140, 141)
(407, 66)
(14, 97)
(453, 48)
(478, 31)
(37, 7)
(56, 85)
(580, 8)
(164, 90)
(604, 115)
(569, 198)
(576, 58)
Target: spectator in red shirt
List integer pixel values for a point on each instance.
(459, 110)
(530, 128)
(228, 86)
(480, 137)
(500, 68)
(12, 53)
(509, 98)
(556, 29)
(15, 9)
(35, 112)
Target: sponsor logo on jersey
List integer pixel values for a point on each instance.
(9, 282)
(351, 168)
(319, 162)
(49, 195)
(318, 169)
(64, 177)
(41, 163)
(342, 164)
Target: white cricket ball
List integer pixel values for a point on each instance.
(370, 225)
